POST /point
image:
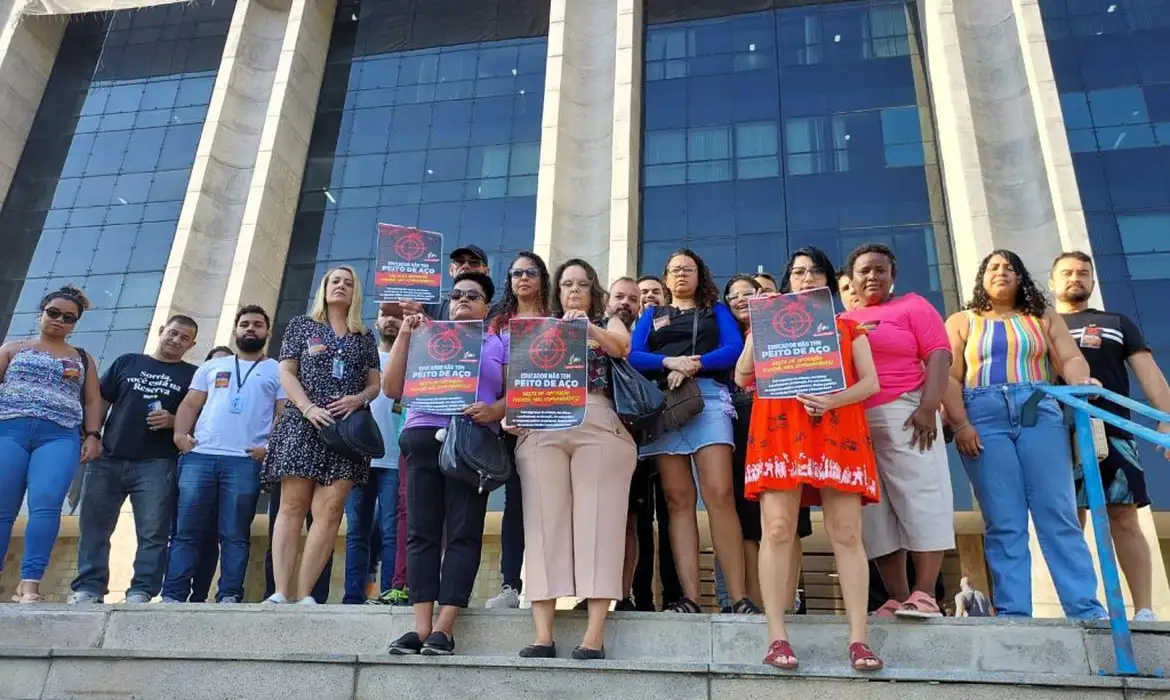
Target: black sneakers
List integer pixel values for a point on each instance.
(539, 651)
(406, 645)
(438, 644)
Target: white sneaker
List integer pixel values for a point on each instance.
(85, 598)
(276, 599)
(137, 598)
(1145, 615)
(508, 597)
(229, 600)
(169, 600)
(307, 600)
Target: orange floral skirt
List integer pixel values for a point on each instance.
(789, 449)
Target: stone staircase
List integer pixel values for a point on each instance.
(245, 652)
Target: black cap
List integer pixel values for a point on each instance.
(470, 251)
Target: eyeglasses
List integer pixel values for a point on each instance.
(57, 314)
(468, 294)
(521, 272)
(467, 262)
(579, 284)
(741, 296)
(680, 270)
(802, 272)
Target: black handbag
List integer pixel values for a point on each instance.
(686, 401)
(476, 455)
(355, 437)
(637, 400)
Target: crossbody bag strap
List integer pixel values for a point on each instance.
(695, 331)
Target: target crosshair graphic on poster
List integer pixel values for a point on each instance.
(793, 321)
(547, 350)
(445, 345)
(410, 246)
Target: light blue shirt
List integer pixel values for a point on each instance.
(390, 424)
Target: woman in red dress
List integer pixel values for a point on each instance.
(810, 451)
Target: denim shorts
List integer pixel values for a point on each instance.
(711, 427)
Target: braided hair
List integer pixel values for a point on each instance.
(1029, 299)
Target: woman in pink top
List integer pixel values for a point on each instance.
(913, 359)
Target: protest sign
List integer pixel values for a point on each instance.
(797, 349)
(409, 264)
(442, 366)
(548, 373)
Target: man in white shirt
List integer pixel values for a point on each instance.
(376, 502)
(237, 399)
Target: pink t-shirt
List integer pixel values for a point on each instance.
(903, 332)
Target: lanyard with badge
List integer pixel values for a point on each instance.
(338, 370)
(238, 400)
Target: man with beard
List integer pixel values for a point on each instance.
(379, 495)
(141, 394)
(236, 400)
(1109, 341)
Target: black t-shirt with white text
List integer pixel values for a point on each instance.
(1107, 340)
(131, 385)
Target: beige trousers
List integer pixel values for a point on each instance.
(576, 486)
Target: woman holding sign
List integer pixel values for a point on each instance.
(690, 346)
(813, 450)
(439, 507)
(577, 482)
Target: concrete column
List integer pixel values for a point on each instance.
(577, 149)
(625, 199)
(28, 48)
(257, 264)
(202, 256)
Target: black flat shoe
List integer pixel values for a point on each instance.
(624, 605)
(406, 645)
(580, 653)
(438, 644)
(539, 651)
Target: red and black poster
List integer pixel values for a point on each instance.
(442, 366)
(409, 264)
(548, 374)
(797, 349)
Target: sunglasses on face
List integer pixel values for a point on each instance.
(520, 272)
(57, 314)
(469, 294)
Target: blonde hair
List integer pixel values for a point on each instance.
(353, 320)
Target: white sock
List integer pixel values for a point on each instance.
(307, 600)
(276, 598)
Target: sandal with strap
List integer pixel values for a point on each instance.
(919, 606)
(862, 658)
(780, 649)
(684, 605)
(888, 609)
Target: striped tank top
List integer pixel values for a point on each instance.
(1011, 351)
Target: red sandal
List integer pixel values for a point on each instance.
(860, 654)
(781, 649)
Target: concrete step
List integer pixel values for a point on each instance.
(948, 645)
(99, 674)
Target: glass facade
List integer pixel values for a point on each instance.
(97, 193)
(444, 137)
(1112, 70)
(765, 131)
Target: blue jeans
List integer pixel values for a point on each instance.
(1028, 469)
(376, 500)
(40, 457)
(208, 483)
(151, 485)
(208, 562)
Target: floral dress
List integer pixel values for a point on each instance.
(296, 448)
(789, 449)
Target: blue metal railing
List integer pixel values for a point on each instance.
(1074, 397)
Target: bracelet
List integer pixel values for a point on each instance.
(93, 434)
(959, 429)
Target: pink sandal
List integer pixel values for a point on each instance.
(781, 649)
(919, 606)
(862, 658)
(887, 610)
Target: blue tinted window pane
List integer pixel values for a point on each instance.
(110, 148)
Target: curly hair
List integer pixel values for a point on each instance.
(819, 259)
(1029, 299)
(68, 293)
(706, 293)
(596, 291)
(510, 304)
(880, 249)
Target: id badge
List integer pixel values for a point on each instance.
(237, 404)
(338, 368)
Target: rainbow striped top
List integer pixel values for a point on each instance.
(1013, 351)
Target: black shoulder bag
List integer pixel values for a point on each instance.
(637, 400)
(686, 401)
(476, 455)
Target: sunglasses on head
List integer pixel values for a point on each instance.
(57, 314)
(529, 272)
(468, 294)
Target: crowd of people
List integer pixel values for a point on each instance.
(194, 447)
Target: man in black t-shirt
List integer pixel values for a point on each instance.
(141, 394)
(1110, 341)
